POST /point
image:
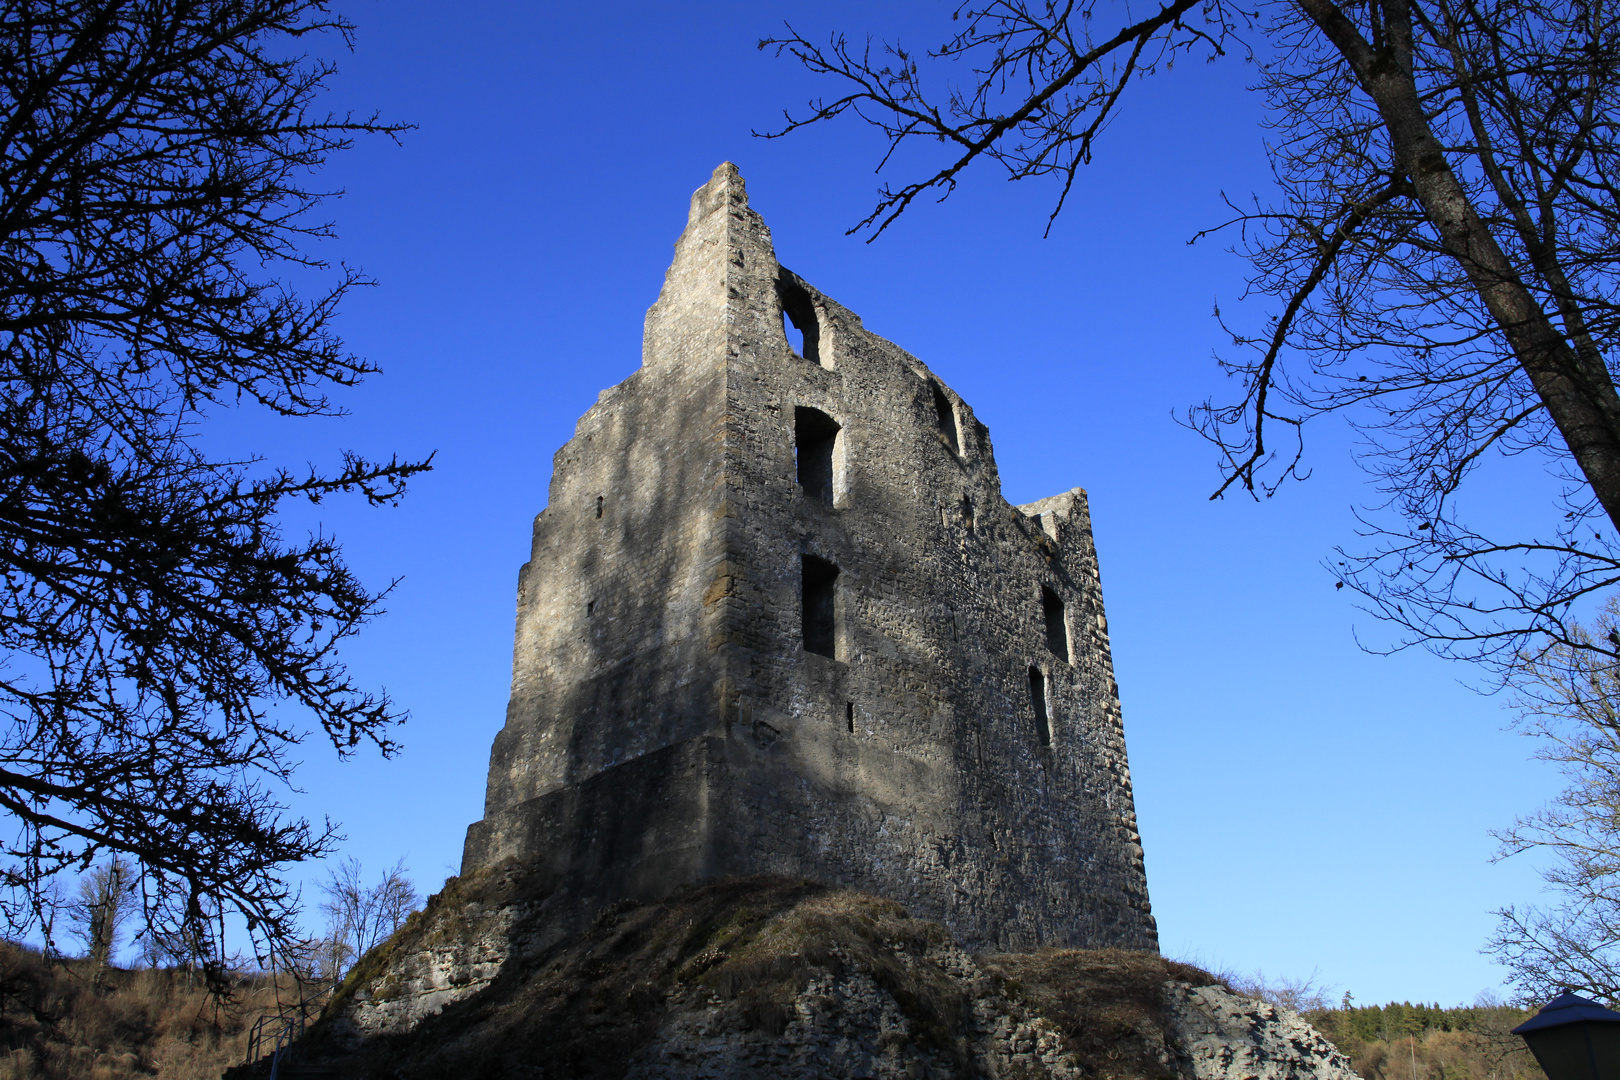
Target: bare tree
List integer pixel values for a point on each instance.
(105, 902)
(1570, 701)
(1442, 254)
(154, 156)
(181, 948)
(49, 905)
(330, 959)
(316, 964)
(359, 916)
(1300, 995)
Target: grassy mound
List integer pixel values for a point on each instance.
(587, 1006)
(1109, 1004)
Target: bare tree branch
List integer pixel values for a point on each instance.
(1443, 252)
(155, 624)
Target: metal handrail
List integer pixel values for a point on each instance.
(274, 1034)
(282, 1028)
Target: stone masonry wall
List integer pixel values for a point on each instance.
(668, 725)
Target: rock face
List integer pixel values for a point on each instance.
(849, 1027)
(449, 952)
(764, 978)
(778, 618)
(1227, 1037)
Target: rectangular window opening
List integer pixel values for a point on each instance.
(599, 506)
(1037, 701)
(1057, 629)
(945, 416)
(849, 717)
(820, 606)
(815, 439)
(799, 321)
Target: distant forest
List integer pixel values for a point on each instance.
(1402, 1041)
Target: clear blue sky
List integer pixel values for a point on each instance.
(1305, 806)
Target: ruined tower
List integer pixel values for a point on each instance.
(778, 618)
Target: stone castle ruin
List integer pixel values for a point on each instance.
(779, 619)
(785, 656)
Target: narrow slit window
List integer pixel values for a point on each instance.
(820, 606)
(1057, 629)
(799, 321)
(815, 438)
(599, 506)
(849, 717)
(1037, 702)
(945, 416)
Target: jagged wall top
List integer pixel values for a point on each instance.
(696, 312)
(779, 618)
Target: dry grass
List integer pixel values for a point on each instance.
(765, 970)
(59, 1022)
(1108, 1003)
(588, 1005)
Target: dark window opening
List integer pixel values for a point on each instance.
(849, 716)
(1037, 701)
(967, 514)
(799, 314)
(1057, 631)
(590, 607)
(815, 437)
(819, 603)
(599, 506)
(945, 416)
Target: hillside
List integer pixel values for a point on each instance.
(738, 979)
(59, 1021)
(759, 977)
(1401, 1041)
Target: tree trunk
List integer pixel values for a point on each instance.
(1579, 394)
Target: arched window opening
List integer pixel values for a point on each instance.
(799, 321)
(819, 605)
(945, 416)
(815, 438)
(1057, 629)
(1037, 702)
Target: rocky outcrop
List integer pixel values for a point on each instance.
(749, 979)
(1224, 1036)
(845, 1026)
(447, 952)
(849, 1026)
